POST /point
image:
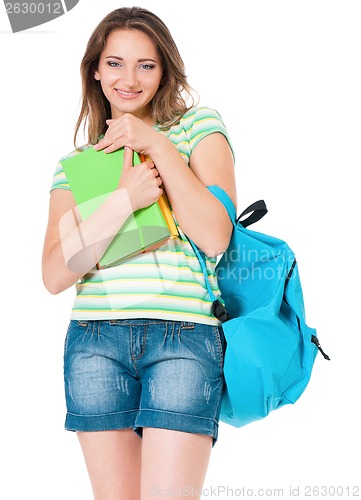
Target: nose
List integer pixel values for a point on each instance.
(129, 78)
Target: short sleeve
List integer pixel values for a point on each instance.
(59, 179)
(205, 122)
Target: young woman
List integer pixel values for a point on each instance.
(143, 353)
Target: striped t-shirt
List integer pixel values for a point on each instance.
(166, 283)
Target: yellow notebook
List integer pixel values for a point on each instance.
(165, 207)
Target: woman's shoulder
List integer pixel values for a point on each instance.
(200, 112)
(201, 121)
(198, 117)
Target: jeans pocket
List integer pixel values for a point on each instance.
(77, 329)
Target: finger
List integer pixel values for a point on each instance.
(128, 158)
(113, 147)
(105, 143)
(149, 164)
(100, 145)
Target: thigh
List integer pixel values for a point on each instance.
(113, 460)
(174, 464)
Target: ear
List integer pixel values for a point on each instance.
(96, 75)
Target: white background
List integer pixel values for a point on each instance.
(285, 76)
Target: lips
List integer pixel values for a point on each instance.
(126, 93)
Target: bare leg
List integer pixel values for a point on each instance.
(173, 461)
(113, 460)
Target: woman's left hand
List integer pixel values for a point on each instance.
(130, 131)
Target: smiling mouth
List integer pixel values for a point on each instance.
(128, 94)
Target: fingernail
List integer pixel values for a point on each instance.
(96, 146)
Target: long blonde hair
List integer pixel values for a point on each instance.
(170, 101)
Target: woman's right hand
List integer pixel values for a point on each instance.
(73, 246)
(142, 182)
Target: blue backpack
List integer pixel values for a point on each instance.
(270, 351)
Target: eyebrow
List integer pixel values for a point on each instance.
(143, 59)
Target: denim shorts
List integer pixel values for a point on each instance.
(135, 373)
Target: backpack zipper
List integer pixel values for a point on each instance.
(315, 341)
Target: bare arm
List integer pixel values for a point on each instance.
(72, 247)
(200, 215)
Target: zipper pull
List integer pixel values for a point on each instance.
(315, 341)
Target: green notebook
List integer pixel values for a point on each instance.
(92, 175)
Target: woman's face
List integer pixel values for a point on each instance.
(129, 71)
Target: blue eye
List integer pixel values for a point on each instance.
(147, 66)
(113, 64)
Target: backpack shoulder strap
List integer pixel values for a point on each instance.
(218, 310)
(223, 197)
(257, 210)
